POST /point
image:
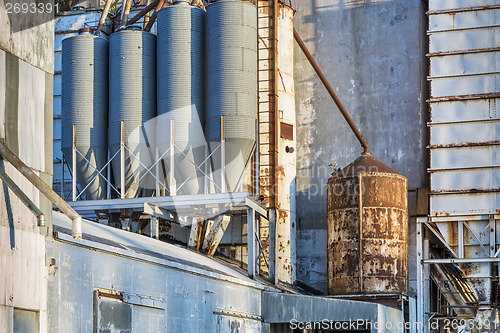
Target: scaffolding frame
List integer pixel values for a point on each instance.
(207, 205)
(424, 224)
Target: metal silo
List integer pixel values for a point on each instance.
(132, 100)
(181, 89)
(85, 106)
(367, 229)
(231, 85)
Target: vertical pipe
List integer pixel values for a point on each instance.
(153, 224)
(251, 242)
(223, 154)
(173, 190)
(108, 177)
(257, 161)
(492, 236)
(73, 163)
(272, 245)
(420, 302)
(157, 171)
(62, 178)
(206, 170)
(122, 160)
(426, 282)
(460, 239)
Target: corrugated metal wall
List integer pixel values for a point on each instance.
(65, 26)
(464, 57)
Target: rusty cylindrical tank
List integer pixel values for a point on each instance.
(367, 229)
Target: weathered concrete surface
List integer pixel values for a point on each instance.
(30, 37)
(372, 54)
(26, 61)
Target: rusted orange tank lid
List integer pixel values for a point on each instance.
(364, 164)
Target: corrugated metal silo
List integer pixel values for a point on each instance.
(85, 106)
(232, 84)
(132, 100)
(181, 88)
(367, 229)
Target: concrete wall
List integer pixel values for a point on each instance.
(26, 67)
(372, 52)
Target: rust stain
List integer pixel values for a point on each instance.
(463, 97)
(367, 233)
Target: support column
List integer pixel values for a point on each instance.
(251, 242)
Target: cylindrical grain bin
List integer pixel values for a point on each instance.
(231, 86)
(132, 100)
(181, 91)
(367, 229)
(85, 106)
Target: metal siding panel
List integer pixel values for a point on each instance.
(472, 63)
(478, 179)
(57, 61)
(465, 85)
(464, 40)
(57, 85)
(464, 133)
(450, 4)
(57, 106)
(57, 129)
(464, 204)
(464, 20)
(465, 157)
(464, 110)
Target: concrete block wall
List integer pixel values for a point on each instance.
(26, 70)
(373, 54)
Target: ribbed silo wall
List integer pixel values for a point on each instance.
(231, 85)
(132, 100)
(181, 90)
(85, 106)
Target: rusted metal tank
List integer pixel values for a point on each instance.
(367, 229)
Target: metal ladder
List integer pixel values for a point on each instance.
(268, 107)
(267, 114)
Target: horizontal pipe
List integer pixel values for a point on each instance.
(23, 197)
(45, 189)
(153, 17)
(143, 12)
(334, 96)
(104, 15)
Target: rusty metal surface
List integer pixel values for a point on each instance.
(367, 230)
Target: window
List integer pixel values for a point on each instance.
(26, 321)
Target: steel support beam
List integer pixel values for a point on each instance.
(216, 233)
(252, 255)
